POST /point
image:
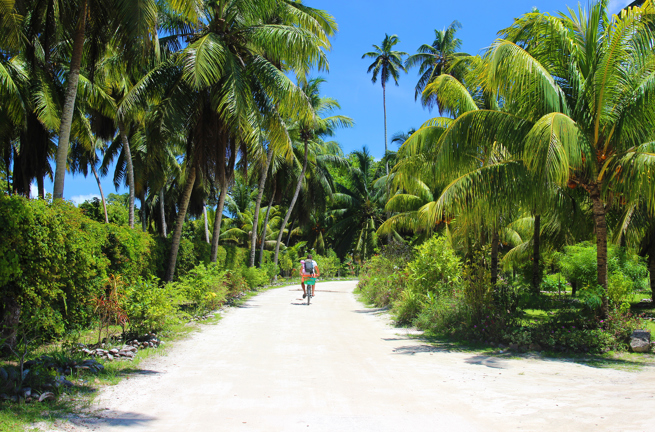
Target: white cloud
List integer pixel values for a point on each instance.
(34, 191)
(616, 5)
(79, 199)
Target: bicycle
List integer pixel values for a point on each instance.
(310, 283)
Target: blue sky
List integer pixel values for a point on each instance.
(363, 23)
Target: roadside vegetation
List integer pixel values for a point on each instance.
(522, 215)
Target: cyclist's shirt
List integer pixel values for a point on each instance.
(303, 275)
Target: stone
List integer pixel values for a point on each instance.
(110, 357)
(113, 351)
(514, 347)
(535, 347)
(129, 354)
(4, 376)
(639, 345)
(641, 334)
(46, 396)
(26, 392)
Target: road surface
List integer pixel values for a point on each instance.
(276, 364)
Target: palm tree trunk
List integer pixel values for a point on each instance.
(144, 216)
(495, 241)
(601, 243)
(130, 170)
(179, 223)
(261, 248)
(293, 202)
(204, 213)
(162, 212)
(69, 104)
(384, 106)
(262, 183)
(40, 186)
(536, 265)
(651, 269)
(293, 223)
(218, 220)
(102, 195)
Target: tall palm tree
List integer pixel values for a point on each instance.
(322, 26)
(100, 20)
(228, 85)
(387, 63)
(435, 59)
(583, 83)
(308, 130)
(357, 211)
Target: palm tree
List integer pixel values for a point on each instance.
(129, 21)
(581, 84)
(387, 63)
(227, 87)
(308, 130)
(357, 211)
(435, 59)
(322, 26)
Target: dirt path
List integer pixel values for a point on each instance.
(277, 365)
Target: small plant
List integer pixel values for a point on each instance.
(108, 307)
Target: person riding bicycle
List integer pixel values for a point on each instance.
(308, 269)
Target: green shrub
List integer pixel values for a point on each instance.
(619, 289)
(329, 264)
(578, 264)
(436, 269)
(204, 286)
(384, 276)
(149, 306)
(51, 260)
(255, 277)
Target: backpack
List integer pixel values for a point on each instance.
(309, 266)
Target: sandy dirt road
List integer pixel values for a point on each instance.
(276, 364)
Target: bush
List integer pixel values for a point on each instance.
(54, 259)
(255, 277)
(384, 277)
(435, 270)
(150, 306)
(578, 265)
(204, 287)
(329, 264)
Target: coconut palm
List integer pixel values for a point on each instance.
(309, 130)
(322, 26)
(357, 211)
(387, 63)
(435, 59)
(133, 23)
(582, 83)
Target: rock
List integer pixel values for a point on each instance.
(26, 392)
(639, 345)
(535, 347)
(514, 347)
(129, 354)
(113, 351)
(641, 334)
(110, 357)
(46, 396)
(3, 396)
(4, 376)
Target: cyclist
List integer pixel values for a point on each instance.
(306, 274)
